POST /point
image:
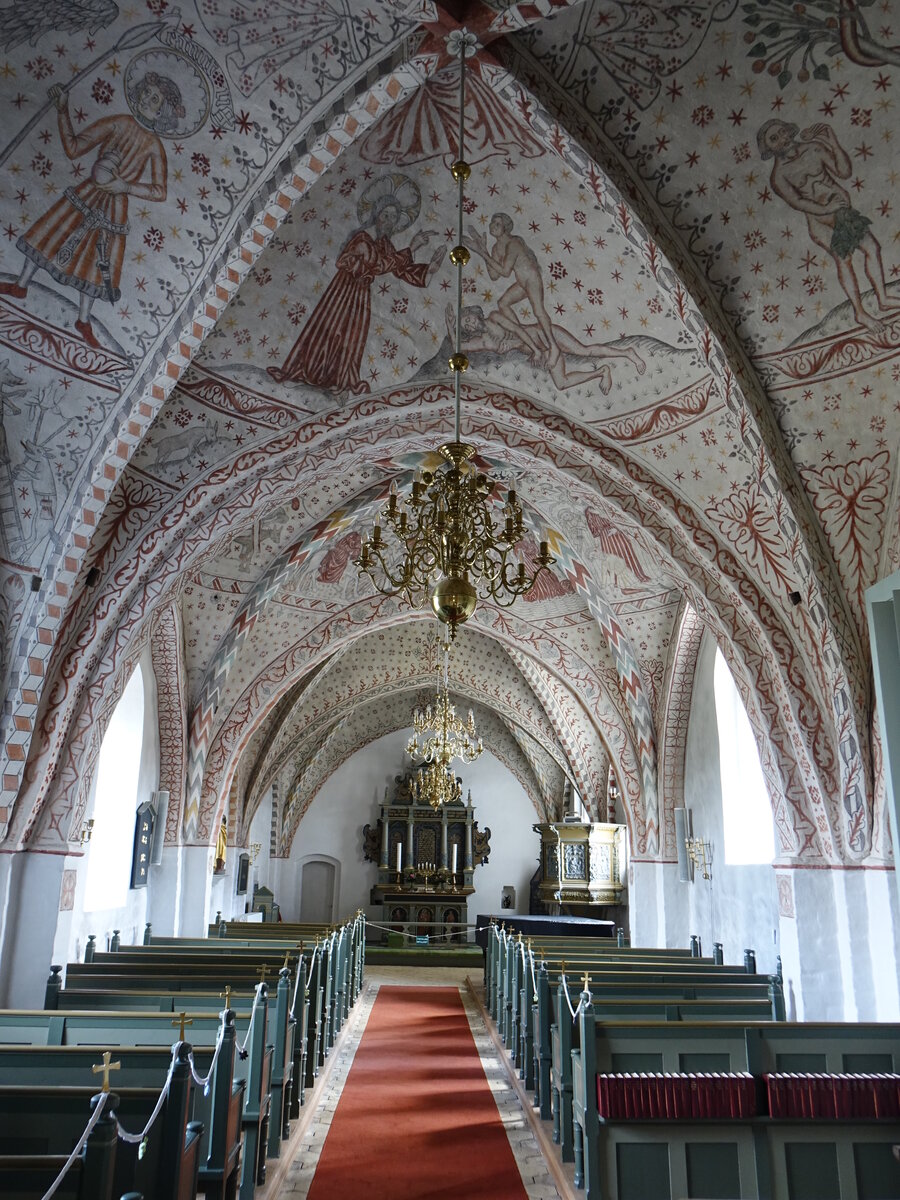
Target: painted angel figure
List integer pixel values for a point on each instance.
(80, 241)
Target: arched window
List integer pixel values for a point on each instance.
(747, 812)
(115, 801)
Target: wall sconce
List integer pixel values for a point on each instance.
(700, 854)
(87, 828)
(255, 848)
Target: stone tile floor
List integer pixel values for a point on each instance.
(536, 1177)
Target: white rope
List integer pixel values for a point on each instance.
(242, 1050)
(533, 980)
(139, 1137)
(573, 1011)
(95, 1117)
(432, 937)
(204, 1082)
(297, 980)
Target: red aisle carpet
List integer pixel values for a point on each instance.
(416, 1119)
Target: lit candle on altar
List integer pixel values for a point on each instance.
(399, 857)
(453, 859)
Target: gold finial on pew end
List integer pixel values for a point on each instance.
(181, 1020)
(226, 995)
(263, 972)
(587, 983)
(562, 967)
(106, 1066)
(287, 955)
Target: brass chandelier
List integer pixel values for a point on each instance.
(447, 541)
(436, 785)
(448, 738)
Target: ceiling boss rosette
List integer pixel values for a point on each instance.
(444, 542)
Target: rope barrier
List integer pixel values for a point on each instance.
(95, 1117)
(131, 1138)
(201, 1082)
(533, 980)
(242, 1050)
(432, 937)
(297, 980)
(573, 1011)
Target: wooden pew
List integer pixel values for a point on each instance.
(218, 1109)
(123, 1029)
(90, 1176)
(758, 1156)
(173, 975)
(321, 1001)
(50, 1119)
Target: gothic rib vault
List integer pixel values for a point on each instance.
(708, 440)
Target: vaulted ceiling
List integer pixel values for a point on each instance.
(211, 369)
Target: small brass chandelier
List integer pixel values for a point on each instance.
(435, 784)
(449, 736)
(449, 544)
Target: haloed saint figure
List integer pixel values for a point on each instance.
(80, 241)
(329, 351)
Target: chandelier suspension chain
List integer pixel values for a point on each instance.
(449, 547)
(462, 258)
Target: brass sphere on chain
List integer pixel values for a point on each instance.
(453, 601)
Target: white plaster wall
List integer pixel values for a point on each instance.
(333, 825)
(739, 906)
(73, 928)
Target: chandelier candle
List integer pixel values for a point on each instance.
(450, 549)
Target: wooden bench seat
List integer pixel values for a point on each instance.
(287, 1054)
(218, 1109)
(49, 1120)
(104, 1030)
(750, 1157)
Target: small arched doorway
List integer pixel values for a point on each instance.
(318, 890)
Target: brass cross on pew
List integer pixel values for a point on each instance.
(106, 1066)
(587, 982)
(263, 972)
(287, 955)
(181, 1020)
(226, 995)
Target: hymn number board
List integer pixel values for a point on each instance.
(143, 840)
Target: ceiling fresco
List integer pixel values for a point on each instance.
(225, 313)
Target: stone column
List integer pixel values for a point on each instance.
(409, 844)
(470, 866)
(444, 860)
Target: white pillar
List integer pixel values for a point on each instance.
(30, 884)
(165, 893)
(194, 905)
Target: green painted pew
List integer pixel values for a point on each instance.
(168, 984)
(102, 1029)
(754, 1158)
(169, 976)
(90, 1176)
(217, 1109)
(50, 1119)
(537, 1020)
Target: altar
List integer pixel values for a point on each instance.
(426, 864)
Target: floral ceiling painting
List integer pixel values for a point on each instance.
(226, 308)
